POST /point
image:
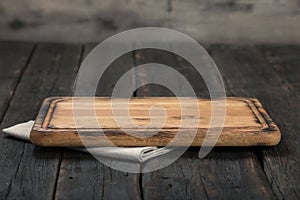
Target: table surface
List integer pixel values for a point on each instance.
(31, 72)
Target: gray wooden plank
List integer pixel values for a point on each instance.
(227, 173)
(81, 175)
(28, 171)
(248, 74)
(177, 181)
(14, 58)
(285, 62)
(13, 61)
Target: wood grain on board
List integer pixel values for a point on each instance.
(60, 119)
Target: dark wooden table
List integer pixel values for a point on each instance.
(30, 72)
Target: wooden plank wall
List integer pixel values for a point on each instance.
(210, 21)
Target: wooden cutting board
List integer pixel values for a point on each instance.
(246, 122)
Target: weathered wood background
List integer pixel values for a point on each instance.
(270, 73)
(209, 21)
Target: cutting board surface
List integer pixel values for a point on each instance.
(153, 122)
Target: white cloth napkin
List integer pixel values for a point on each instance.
(140, 154)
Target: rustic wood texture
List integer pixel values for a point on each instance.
(281, 163)
(226, 173)
(14, 60)
(267, 72)
(246, 122)
(27, 171)
(10, 78)
(81, 175)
